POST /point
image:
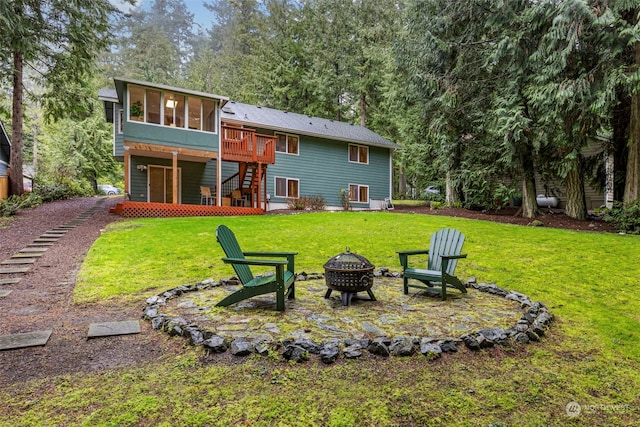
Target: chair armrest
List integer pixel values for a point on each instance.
(263, 262)
(404, 256)
(414, 252)
(291, 266)
(454, 256)
(281, 254)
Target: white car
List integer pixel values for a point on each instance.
(108, 189)
(432, 190)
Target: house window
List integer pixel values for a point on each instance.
(358, 193)
(136, 104)
(358, 154)
(153, 106)
(120, 120)
(172, 109)
(287, 143)
(195, 106)
(208, 116)
(287, 188)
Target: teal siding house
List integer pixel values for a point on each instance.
(183, 147)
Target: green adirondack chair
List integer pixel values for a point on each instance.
(282, 283)
(443, 255)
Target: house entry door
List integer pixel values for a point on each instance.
(161, 184)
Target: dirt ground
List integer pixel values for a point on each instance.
(43, 299)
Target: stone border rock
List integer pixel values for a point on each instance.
(535, 320)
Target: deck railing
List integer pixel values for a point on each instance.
(245, 145)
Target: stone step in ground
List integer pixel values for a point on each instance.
(26, 255)
(14, 270)
(18, 261)
(29, 339)
(10, 281)
(106, 329)
(31, 250)
(4, 293)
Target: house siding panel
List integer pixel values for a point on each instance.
(194, 174)
(323, 168)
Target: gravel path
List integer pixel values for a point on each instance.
(43, 299)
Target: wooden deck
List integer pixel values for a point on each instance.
(167, 210)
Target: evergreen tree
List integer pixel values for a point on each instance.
(57, 39)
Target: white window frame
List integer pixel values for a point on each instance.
(359, 186)
(287, 196)
(277, 134)
(163, 107)
(358, 147)
(120, 120)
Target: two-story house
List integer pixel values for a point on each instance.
(183, 147)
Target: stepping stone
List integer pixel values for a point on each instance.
(50, 235)
(29, 250)
(14, 270)
(29, 339)
(4, 293)
(18, 261)
(12, 281)
(21, 255)
(107, 329)
(46, 240)
(39, 244)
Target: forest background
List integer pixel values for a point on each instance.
(481, 96)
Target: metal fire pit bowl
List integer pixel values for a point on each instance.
(349, 274)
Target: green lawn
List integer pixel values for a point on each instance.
(590, 355)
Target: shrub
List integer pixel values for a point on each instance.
(296, 204)
(344, 198)
(50, 191)
(436, 205)
(13, 204)
(315, 203)
(625, 219)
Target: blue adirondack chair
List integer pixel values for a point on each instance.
(443, 254)
(282, 283)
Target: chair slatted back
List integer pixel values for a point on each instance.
(231, 248)
(447, 241)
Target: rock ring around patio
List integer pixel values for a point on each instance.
(395, 324)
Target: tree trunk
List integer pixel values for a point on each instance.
(632, 182)
(16, 181)
(529, 204)
(451, 192)
(574, 183)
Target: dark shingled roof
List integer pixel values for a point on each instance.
(285, 121)
(268, 118)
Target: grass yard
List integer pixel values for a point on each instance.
(591, 354)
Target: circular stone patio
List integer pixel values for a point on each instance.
(395, 324)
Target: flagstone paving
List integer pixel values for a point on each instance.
(311, 316)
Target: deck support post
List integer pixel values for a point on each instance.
(174, 183)
(127, 171)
